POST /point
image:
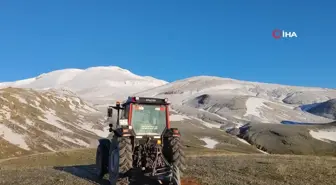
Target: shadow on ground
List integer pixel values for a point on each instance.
(87, 172)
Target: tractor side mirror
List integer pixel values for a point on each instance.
(109, 112)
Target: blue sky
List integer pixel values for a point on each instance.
(172, 39)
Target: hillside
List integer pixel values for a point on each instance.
(319, 139)
(76, 167)
(233, 103)
(39, 121)
(326, 109)
(292, 139)
(278, 122)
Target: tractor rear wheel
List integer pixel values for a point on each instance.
(176, 180)
(173, 151)
(120, 160)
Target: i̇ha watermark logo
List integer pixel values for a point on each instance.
(278, 34)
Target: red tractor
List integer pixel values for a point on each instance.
(142, 141)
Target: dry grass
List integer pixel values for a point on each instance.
(289, 139)
(192, 131)
(75, 167)
(263, 170)
(9, 150)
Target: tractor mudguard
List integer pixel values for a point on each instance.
(106, 143)
(172, 132)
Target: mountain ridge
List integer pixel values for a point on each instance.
(102, 85)
(212, 102)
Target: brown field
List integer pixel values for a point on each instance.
(76, 167)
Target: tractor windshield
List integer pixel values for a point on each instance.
(148, 119)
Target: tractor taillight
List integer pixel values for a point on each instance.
(134, 99)
(176, 132)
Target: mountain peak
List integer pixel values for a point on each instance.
(116, 68)
(102, 82)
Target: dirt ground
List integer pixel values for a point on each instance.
(76, 167)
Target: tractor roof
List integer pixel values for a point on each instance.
(147, 100)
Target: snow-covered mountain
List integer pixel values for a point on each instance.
(99, 85)
(228, 102)
(50, 112)
(217, 100)
(38, 121)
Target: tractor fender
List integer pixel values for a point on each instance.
(172, 132)
(106, 143)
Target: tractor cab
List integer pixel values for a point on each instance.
(140, 116)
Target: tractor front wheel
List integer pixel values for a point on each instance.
(101, 162)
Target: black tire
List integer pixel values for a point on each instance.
(101, 161)
(120, 160)
(173, 151)
(176, 180)
(126, 155)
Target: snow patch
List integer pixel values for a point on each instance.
(5, 113)
(262, 151)
(72, 106)
(324, 135)
(244, 141)
(88, 127)
(209, 125)
(12, 137)
(207, 111)
(239, 124)
(198, 126)
(177, 117)
(22, 100)
(48, 147)
(230, 86)
(52, 119)
(36, 105)
(53, 101)
(76, 141)
(29, 122)
(24, 127)
(210, 143)
(253, 105)
(89, 109)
